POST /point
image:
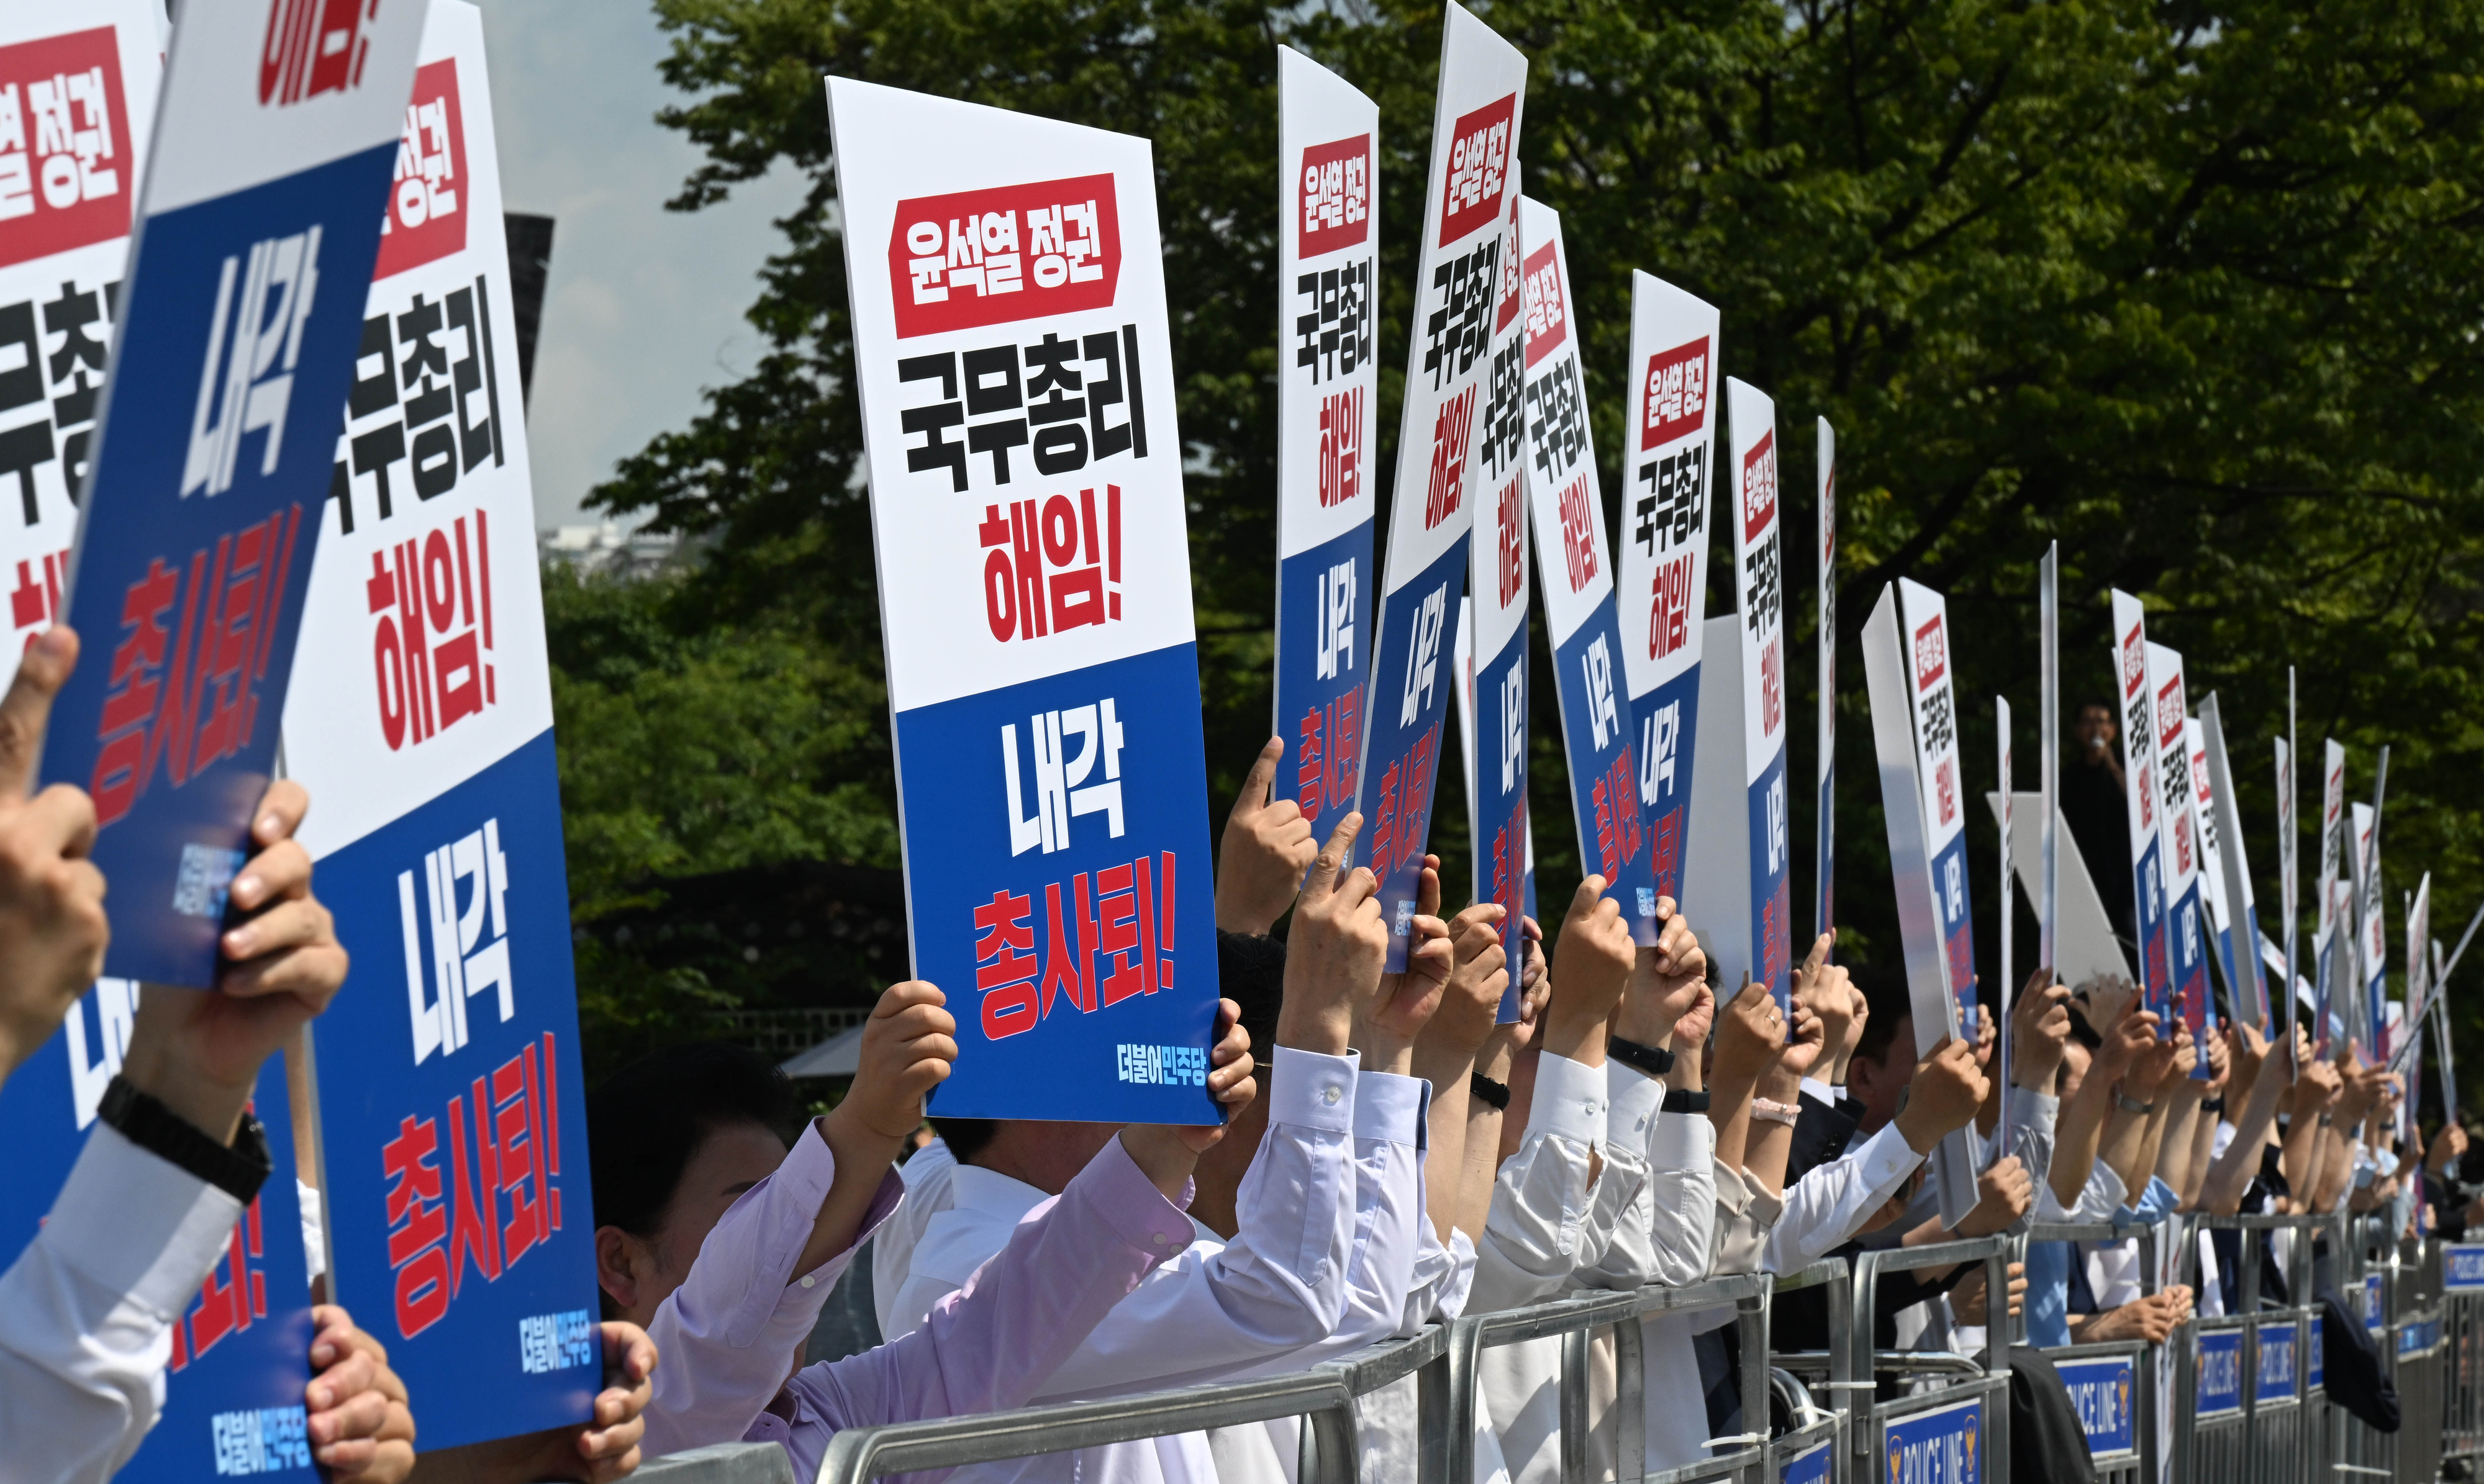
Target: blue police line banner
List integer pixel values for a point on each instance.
(2186, 933)
(2140, 799)
(2102, 1393)
(1575, 562)
(78, 80)
(1457, 397)
(1495, 611)
(1889, 679)
(1662, 592)
(257, 223)
(1823, 903)
(1328, 203)
(2231, 861)
(1939, 773)
(1945, 1445)
(451, 1094)
(1029, 524)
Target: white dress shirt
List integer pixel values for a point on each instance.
(87, 1310)
(1217, 1310)
(930, 1190)
(1831, 1202)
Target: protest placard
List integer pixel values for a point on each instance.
(1030, 533)
(2140, 799)
(2419, 989)
(2083, 948)
(2046, 888)
(2217, 914)
(265, 182)
(1463, 399)
(1823, 904)
(1889, 679)
(1567, 507)
(1740, 850)
(452, 1114)
(2186, 933)
(80, 78)
(1464, 662)
(2231, 862)
(1661, 591)
(2363, 959)
(1328, 205)
(2009, 908)
(2333, 830)
(1938, 772)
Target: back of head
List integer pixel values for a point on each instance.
(647, 1119)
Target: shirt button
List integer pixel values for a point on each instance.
(1161, 1240)
(1329, 1095)
(810, 1280)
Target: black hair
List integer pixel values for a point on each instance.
(1890, 1002)
(2082, 1031)
(648, 1119)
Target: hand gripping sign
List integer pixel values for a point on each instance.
(1740, 850)
(452, 1095)
(1567, 509)
(1034, 568)
(2186, 929)
(2141, 795)
(258, 221)
(1463, 416)
(1662, 589)
(1328, 201)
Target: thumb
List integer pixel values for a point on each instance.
(1256, 783)
(27, 709)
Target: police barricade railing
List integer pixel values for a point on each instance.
(1958, 1431)
(1573, 1320)
(2417, 1340)
(2242, 1398)
(2462, 1298)
(2368, 1285)
(723, 1463)
(2112, 1384)
(1814, 1450)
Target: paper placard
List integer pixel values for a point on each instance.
(2186, 931)
(1328, 203)
(1465, 699)
(1463, 413)
(2141, 795)
(2240, 929)
(1035, 602)
(1940, 773)
(1823, 905)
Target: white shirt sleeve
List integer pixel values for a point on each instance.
(2033, 1117)
(1537, 1230)
(87, 1310)
(1277, 1287)
(1628, 1259)
(1823, 1209)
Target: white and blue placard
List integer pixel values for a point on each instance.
(1523, 863)
(2219, 922)
(2104, 1392)
(1460, 392)
(1575, 561)
(80, 77)
(2218, 1384)
(1944, 1446)
(1661, 599)
(1939, 771)
(2371, 940)
(1328, 205)
(2186, 930)
(2141, 798)
(1823, 902)
(2222, 824)
(257, 223)
(2276, 1378)
(2332, 827)
(1034, 564)
(451, 1094)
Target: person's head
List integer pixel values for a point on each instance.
(675, 1138)
(1884, 1059)
(2096, 729)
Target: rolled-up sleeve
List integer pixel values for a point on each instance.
(1535, 1229)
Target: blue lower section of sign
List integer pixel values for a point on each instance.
(1603, 768)
(1937, 1447)
(1772, 880)
(2277, 1358)
(454, 1107)
(1323, 661)
(2155, 972)
(1668, 741)
(1402, 728)
(1500, 805)
(1061, 892)
(241, 1350)
(1958, 928)
(2104, 1392)
(2246, 955)
(2186, 933)
(239, 325)
(2462, 1267)
(1808, 1467)
(2219, 1388)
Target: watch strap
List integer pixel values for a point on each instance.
(1678, 1101)
(2129, 1104)
(1654, 1061)
(237, 1170)
(1495, 1094)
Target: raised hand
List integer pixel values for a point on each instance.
(908, 1045)
(1947, 1089)
(1479, 978)
(1751, 1035)
(1263, 852)
(51, 896)
(1386, 1028)
(1592, 966)
(2003, 1194)
(1802, 1051)
(1337, 950)
(360, 1429)
(1826, 990)
(2039, 1027)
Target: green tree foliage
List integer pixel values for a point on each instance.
(2193, 290)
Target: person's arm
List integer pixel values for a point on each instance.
(1667, 1235)
(1749, 1033)
(2230, 1174)
(1464, 1043)
(51, 896)
(1265, 850)
(1772, 1138)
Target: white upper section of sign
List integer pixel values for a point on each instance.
(2177, 830)
(2136, 717)
(1328, 379)
(1931, 690)
(1668, 477)
(1566, 503)
(1758, 578)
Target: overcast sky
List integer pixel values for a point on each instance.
(645, 305)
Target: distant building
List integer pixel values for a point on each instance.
(592, 549)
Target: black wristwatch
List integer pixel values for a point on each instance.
(1654, 1061)
(142, 1118)
(1487, 1091)
(1678, 1101)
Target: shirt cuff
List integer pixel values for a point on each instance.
(1128, 1203)
(1313, 1090)
(1633, 1098)
(1887, 1158)
(1818, 1089)
(1765, 1209)
(809, 1169)
(1390, 1107)
(1569, 1100)
(2028, 1108)
(1683, 1140)
(139, 1224)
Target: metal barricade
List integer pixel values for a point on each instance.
(2367, 1284)
(2416, 1335)
(2113, 1384)
(1957, 1430)
(2462, 1299)
(2244, 1406)
(1815, 1449)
